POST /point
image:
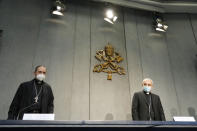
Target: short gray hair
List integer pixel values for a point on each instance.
(148, 79)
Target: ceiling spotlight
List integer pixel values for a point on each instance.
(165, 27)
(59, 8)
(110, 16)
(160, 26)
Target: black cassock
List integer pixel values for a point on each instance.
(24, 99)
(147, 107)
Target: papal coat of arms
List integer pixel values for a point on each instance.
(109, 62)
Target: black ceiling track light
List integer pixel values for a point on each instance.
(110, 14)
(58, 7)
(159, 23)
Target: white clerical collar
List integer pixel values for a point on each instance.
(147, 93)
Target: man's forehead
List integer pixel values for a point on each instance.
(41, 68)
(147, 81)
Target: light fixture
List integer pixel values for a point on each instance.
(59, 8)
(160, 26)
(110, 16)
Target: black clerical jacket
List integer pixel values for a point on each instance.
(140, 107)
(24, 99)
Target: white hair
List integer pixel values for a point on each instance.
(148, 79)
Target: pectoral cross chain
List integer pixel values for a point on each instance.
(37, 93)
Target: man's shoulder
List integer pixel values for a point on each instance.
(46, 85)
(154, 95)
(139, 92)
(31, 82)
(26, 83)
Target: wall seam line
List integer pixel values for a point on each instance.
(190, 20)
(125, 43)
(90, 62)
(139, 45)
(73, 64)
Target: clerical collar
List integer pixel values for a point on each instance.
(38, 82)
(147, 93)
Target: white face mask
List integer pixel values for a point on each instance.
(40, 77)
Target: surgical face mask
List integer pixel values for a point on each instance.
(40, 77)
(147, 89)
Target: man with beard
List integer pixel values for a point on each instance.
(33, 96)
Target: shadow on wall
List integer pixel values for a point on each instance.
(128, 117)
(109, 116)
(107, 28)
(192, 112)
(173, 112)
(56, 21)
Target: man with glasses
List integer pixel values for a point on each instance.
(147, 106)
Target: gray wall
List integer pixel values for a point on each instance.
(67, 46)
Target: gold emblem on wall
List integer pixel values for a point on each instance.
(109, 62)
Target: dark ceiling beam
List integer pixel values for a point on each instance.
(157, 6)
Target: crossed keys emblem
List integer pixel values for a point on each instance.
(110, 60)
